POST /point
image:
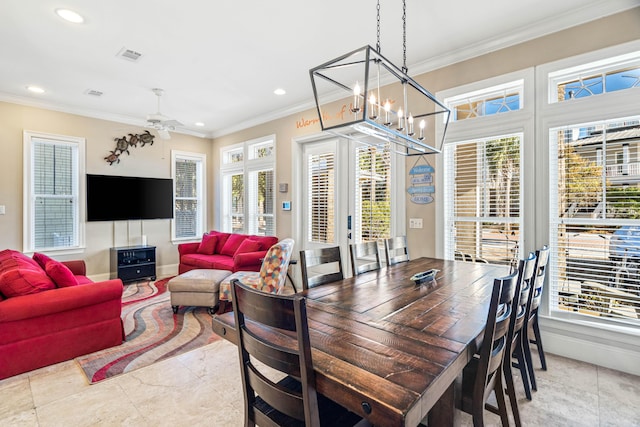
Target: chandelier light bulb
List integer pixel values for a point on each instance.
(374, 108)
(422, 125)
(387, 110)
(356, 98)
(400, 114)
(410, 125)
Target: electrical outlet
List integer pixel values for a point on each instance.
(415, 222)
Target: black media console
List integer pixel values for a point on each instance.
(133, 263)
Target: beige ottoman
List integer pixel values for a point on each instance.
(199, 288)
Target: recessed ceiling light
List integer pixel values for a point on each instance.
(35, 89)
(70, 15)
(280, 91)
(199, 124)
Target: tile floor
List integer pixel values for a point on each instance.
(202, 388)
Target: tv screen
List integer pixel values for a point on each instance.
(117, 198)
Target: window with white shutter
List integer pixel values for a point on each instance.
(188, 178)
(482, 208)
(321, 198)
(54, 203)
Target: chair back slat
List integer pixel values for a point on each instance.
(365, 257)
(540, 274)
(396, 250)
(320, 266)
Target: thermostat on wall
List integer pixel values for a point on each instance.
(286, 206)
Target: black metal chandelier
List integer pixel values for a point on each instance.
(357, 97)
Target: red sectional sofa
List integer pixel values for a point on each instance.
(52, 312)
(225, 251)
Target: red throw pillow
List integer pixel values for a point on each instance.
(208, 244)
(222, 239)
(41, 259)
(24, 281)
(247, 246)
(60, 274)
(232, 244)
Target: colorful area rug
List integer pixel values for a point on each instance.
(153, 332)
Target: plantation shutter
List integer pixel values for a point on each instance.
(261, 190)
(321, 200)
(186, 194)
(595, 219)
(373, 195)
(482, 203)
(55, 195)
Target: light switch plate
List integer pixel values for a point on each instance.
(2, 211)
(415, 222)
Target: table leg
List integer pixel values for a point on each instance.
(443, 412)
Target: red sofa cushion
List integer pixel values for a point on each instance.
(41, 259)
(265, 241)
(247, 246)
(208, 244)
(10, 258)
(232, 244)
(24, 281)
(222, 239)
(60, 274)
(219, 262)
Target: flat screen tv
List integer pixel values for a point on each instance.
(117, 198)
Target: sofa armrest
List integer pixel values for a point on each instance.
(77, 267)
(59, 299)
(188, 248)
(249, 259)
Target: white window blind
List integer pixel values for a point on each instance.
(483, 199)
(261, 220)
(373, 195)
(188, 175)
(321, 201)
(595, 219)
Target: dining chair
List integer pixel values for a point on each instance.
(531, 322)
(483, 374)
(288, 396)
(320, 266)
(514, 335)
(365, 257)
(396, 250)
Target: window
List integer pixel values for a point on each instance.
(594, 187)
(595, 78)
(188, 178)
(486, 101)
(322, 196)
(482, 172)
(54, 194)
(248, 187)
(482, 182)
(373, 194)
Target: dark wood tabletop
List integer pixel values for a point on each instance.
(389, 349)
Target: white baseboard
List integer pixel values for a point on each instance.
(603, 348)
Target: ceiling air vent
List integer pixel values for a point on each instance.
(129, 55)
(93, 92)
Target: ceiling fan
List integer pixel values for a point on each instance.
(159, 121)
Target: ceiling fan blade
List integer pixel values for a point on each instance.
(171, 123)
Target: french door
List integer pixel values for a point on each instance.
(346, 195)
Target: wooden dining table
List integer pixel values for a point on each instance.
(390, 349)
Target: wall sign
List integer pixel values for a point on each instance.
(422, 188)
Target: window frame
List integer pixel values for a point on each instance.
(519, 122)
(551, 114)
(247, 167)
(79, 190)
(201, 218)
